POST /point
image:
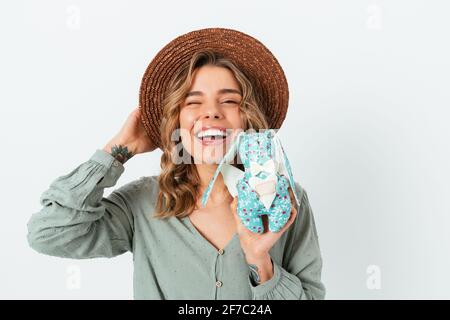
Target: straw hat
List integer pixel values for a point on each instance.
(249, 55)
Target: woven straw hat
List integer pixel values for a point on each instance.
(249, 55)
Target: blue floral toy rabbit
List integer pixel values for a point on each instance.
(262, 189)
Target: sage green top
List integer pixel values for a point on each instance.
(172, 260)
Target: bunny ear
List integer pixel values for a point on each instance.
(226, 158)
(284, 165)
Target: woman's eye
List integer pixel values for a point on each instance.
(195, 102)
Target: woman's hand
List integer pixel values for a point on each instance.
(256, 246)
(131, 136)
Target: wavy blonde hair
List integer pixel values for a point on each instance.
(179, 183)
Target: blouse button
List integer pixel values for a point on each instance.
(221, 251)
(116, 163)
(218, 284)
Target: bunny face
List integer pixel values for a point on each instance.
(256, 147)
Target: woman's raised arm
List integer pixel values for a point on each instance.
(76, 221)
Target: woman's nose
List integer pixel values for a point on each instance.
(211, 112)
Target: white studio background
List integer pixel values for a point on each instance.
(366, 130)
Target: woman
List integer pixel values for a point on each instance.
(182, 250)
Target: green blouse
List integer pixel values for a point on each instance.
(172, 260)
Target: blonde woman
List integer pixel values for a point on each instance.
(182, 250)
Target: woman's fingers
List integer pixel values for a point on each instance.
(291, 194)
(291, 219)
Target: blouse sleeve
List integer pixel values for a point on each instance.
(299, 278)
(76, 221)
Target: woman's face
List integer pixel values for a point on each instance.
(210, 116)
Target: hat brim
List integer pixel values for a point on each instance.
(250, 56)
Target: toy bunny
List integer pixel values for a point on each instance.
(263, 187)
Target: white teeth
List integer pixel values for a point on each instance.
(211, 132)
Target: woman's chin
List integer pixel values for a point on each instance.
(209, 158)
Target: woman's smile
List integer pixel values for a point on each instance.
(213, 135)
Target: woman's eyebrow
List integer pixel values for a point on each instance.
(221, 91)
